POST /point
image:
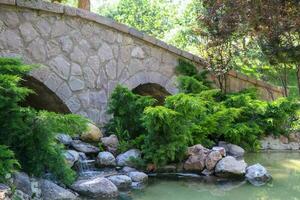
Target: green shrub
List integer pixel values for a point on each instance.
(165, 140)
(8, 163)
(189, 84)
(30, 134)
(127, 109)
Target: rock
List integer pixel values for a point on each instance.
(195, 163)
(294, 137)
(71, 157)
(283, 139)
(93, 134)
(232, 149)
(140, 177)
(167, 169)
(111, 143)
(127, 169)
(257, 175)
(18, 194)
(272, 143)
(22, 182)
(220, 149)
(212, 159)
(64, 139)
(230, 166)
(97, 187)
(124, 159)
(197, 149)
(106, 159)
(84, 147)
(5, 192)
(51, 191)
(121, 181)
(207, 172)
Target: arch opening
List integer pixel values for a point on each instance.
(42, 98)
(154, 90)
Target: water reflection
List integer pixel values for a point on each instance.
(284, 167)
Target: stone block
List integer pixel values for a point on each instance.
(41, 5)
(8, 2)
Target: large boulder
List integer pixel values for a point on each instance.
(71, 157)
(195, 163)
(121, 181)
(125, 159)
(110, 143)
(22, 182)
(232, 149)
(92, 134)
(257, 175)
(97, 187)
(212, 159)
(230, 166)
(51, 191)
(5, 192)
(64, 139)
(197, 149)
(84, 147)
(140, 177)
(106, 159)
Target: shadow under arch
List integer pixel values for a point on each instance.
(43, 98)
(152, 89)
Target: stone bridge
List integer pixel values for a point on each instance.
(83, 56)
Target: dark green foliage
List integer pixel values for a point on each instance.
(164, 141)
(127, 109)
(190, 79)
(189, 84)
(30, 134)
(281, 115)
(199, 115)
(8, 163)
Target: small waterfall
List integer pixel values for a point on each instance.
(85, 166)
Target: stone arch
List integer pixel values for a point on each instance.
(43, 98)
(154, 90)
(141, 78)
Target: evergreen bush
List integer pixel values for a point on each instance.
(30, 134)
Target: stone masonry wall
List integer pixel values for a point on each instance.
(84, 55)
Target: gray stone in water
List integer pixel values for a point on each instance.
(97, 187)
(5, 192)
(127, 169)
(125, 159)
(22, 182)
(51, 191)
(84, 147)
(106, 158)
(64, 139)
(195, 163)
(230, 166)
(121, 181)
(71, 157)
(257, 175)
(232, 149)
(138, 177)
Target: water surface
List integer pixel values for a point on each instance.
(284, 167)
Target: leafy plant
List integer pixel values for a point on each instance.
(30, 134)
(127, 109)
(8, 163)
(164, 141)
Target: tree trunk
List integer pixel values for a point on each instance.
(84, 4)
(298, 78)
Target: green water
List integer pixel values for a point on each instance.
(284, 167)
